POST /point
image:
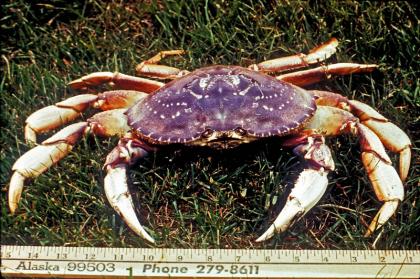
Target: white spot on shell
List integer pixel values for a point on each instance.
(203, 83)
(197, 96)
(245, 91)
(235, 79)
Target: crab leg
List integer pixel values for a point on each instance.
(40, 158)
(332, 121)
(54, 116)
(384, 178)
(309, 187)
(299, 60)
(116, 186)
(311, 76)
(120, 81)
(394, 139)
(150, 68)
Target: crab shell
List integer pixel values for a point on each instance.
(220, 107)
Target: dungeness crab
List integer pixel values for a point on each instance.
(222, 107)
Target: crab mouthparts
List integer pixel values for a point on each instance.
(224, 143)
(224, 139)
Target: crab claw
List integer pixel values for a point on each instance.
(310, 185)
(308, 190)
(118, 160)
(116, 190)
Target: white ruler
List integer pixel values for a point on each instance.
(86, 262)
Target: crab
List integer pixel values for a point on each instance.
(222, 107)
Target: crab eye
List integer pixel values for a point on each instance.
(240, 131)
(207, 133)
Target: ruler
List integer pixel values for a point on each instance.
(91, 262)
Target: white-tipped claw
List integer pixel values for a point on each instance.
(387, 210)
(404, 166)
(118, 195)
(308, 190)
(15, 190)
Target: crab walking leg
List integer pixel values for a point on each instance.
(160, 71)
(150, 68)
(54, 116)
(386, 183)
(118, 80)
(309, 187)
(116, 186)
(311, 76)
(394, 139)
(40, 158)
(300, 60)
(384, 178)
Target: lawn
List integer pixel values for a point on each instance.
(204, 198)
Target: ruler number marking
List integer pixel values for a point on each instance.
(33, 255)
(5, 255)
(90, 257)
(148, 257)
(61, 256)
(118, 257)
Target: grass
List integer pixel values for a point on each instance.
(203, 198)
